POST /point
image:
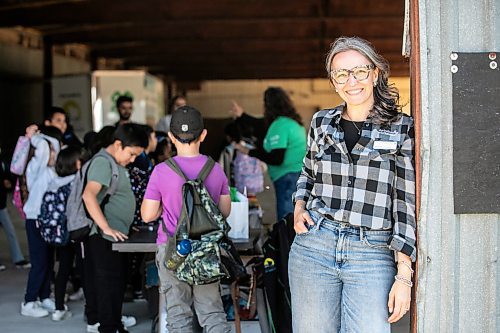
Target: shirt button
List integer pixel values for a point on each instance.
(349, 182)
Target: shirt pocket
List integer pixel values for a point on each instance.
(325, 156)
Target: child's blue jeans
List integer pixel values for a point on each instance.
(42, 262)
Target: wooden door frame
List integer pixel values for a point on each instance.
(416, 103)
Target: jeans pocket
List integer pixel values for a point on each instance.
(310, 229)
(377, 239)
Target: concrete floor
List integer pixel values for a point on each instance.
(13, 283)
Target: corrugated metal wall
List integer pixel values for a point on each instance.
(459, 280)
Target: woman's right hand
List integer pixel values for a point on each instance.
(301, 218)
(236, 111)
(117, 235)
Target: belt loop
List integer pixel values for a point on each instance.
(361, 233)
(321, 218)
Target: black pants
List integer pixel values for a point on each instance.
(89, 287)
(135, 271)
(76, 273)
(109, 281)
(66, 256)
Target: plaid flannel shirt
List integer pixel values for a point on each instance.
(372, 187)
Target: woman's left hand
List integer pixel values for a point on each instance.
(399, 301)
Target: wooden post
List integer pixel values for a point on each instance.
(47, 74)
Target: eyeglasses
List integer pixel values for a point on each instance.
(360, 73)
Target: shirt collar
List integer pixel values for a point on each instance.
(336, 114)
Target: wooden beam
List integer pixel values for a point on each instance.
(98, 11)
(201, 60)
(79, 12)
(219, 47)
(197, 59)
(26, 4)
(301, 28)
(212, 47)
(367, 27)
(366, 8)
(188, 29)
(252, 71)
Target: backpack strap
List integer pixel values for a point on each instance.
(205, 171)
(207, 168)
(113, 185)
(175, 167)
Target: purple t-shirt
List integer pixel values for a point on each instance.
(166, 186)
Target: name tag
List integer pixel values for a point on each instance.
(385, 145)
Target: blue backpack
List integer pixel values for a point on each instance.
(52, 221)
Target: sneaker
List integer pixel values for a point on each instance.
(138, 295)
(128, 321)
(2, 267)
(49, 305)
(23, 264)
(59, 315)
(76, 296)
(93, 328)
(33, 309)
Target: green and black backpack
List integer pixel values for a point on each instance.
(202, 223)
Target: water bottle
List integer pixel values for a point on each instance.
(182, 250)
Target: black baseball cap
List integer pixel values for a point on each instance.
(186, 124)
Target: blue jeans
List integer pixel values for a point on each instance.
(6, 223)
(340, 278)
(284, 188)
(42, 264)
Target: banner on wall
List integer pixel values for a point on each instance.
(145, 90)
(72, 93)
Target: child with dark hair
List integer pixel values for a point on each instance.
(67, 164)
(58, 118)
(102, 139)
(164, 149)
(139, 172)
(106, 269)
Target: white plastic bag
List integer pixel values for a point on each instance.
(238, 219)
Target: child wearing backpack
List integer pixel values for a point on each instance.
(164, 197)
(112, 215)
(39, 173)
(53, 225)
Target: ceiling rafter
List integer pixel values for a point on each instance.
(193, 40)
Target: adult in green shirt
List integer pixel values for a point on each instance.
(283, 147)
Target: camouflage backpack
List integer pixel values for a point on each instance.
(203, 224)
